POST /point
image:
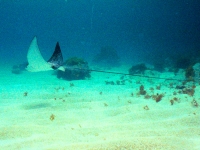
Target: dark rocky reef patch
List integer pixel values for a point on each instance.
(75, 69)
(138, 69)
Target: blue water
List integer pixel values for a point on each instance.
(140, 30)
(107, 111)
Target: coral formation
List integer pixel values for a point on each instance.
(74, 61)
(138, 69)
(142, 91)
(175, 99)
(180, 87)
(108, 56)
(110, 82)
(75, 69)
(158, 97)
(189, 91)
(189, 73)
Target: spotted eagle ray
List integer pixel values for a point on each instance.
(37, 63)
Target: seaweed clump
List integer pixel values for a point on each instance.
(189, 91)
(158, 97)
(107, 56)
(75, 69)
(142, 91)
(189, 73)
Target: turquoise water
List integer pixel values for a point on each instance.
(142, 87)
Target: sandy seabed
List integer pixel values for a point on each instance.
(39, 111)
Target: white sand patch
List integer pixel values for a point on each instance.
(39, 111)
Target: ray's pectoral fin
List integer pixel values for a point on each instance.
(56, 59)
(36, 62)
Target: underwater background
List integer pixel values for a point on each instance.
(130, 78)
(139, 30)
